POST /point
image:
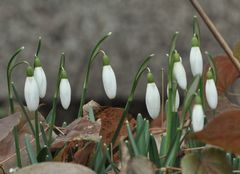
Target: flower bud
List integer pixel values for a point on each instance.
(65, 90)
(108, 78)
(152, 98)
(196, 61)
(40, 77)
(31, 92)
(211, 91)
(197, 115)
(179, 72)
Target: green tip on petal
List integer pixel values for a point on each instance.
(209, 74)
(176, 56)
(198, 100)
(63, 74)
(29, 71)
(105, 60)
(37, 62)
(150, 77)
(195, 42)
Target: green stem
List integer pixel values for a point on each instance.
(9, 79)
(169, 113)
(23, 108)
(17, 148)
(56, 94)
(92, 57)
(141, 69)
(38, 147)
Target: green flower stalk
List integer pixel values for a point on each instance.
(91, 58)
(9, 78)
(139, 73)
(52, 116)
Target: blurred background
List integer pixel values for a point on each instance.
(139, 29)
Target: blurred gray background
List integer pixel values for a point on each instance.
(139, 28)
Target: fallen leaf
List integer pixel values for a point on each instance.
(223, 131)
(210, 161)
(55, 167)
(7, 145)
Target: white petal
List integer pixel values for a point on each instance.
(31, 94)
(109, 81)
(40, 77)
(196, 61)
(180, 75)
(65, 93)
(197, 118)
(177, 100)
(152, 100)
(211, 93)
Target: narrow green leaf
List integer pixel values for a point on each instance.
(31, 153)
(133, 143)
(153, 151)
(44, 136)
(189, 97)
(49, 116)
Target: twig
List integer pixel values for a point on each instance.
(215, 33)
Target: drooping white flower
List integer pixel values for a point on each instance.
(211, 91)
(31, 92)
(65, 90)
(40, 77)
(179, 72)
(177, 100)
(196, 61)
(197, 115)
(109, 78)
(152, 97)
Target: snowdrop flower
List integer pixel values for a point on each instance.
(108, 78)
(40, 77)
(152, 98)
(179, 72)
(177, 100)
(197, 115)
(31, 92)
(64, 90)
(196, 60)
(211, 90)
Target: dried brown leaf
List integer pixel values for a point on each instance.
(223, 131)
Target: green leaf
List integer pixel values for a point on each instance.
(153, 151)
(49, 116)
(31, 153)
(189, 97)
(132, 141)
(210, 161)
